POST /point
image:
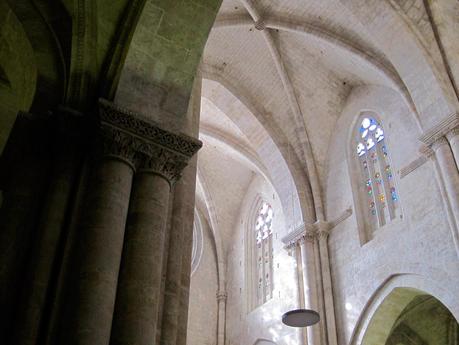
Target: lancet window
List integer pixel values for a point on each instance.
(264, 253)
(380, 199)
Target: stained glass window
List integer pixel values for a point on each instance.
(381, 198)
(264, 253)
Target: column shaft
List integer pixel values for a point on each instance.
(24, 171)
(221, 298)
(35, 300)
(450, 174)
(137, 301)
(320, 292)
(185, 282)
(310, 287)
(182, 214)
(327, 287)
(295, 250)
(97, 255)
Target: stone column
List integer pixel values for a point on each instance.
(185, 283)
(182, 225)
(99, 241)
(162, 156)
(453, 138)
(309, 284)
(72, 134)
(221, 299)
(322, 233)
(24, 175)
(320, 290)
(293, 250)
(449, 172)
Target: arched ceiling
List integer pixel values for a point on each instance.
(291, 65)
(297, 62)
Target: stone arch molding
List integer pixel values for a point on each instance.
(401, 287)
(276, 143)
(197, 242)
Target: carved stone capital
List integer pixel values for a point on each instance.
(323, 234)
(427, 152)
(440, 130)
(119, 144)
(453, 133)
(144, 144)
(291, 248)
(221, 296)
(309, 236)
(439, 142)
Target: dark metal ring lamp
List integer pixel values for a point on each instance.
(300, 318)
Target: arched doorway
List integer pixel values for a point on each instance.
(409, 316)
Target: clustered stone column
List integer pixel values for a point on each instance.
(315, 279)
(120, 243)
(97, 253)
(442, 146)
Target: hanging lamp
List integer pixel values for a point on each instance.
(301, 318)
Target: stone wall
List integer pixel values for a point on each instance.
(245, 326)
(419, 243)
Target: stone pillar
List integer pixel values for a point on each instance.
(72, 132)
(139, 287)
(221, 299)
(294, 251)
(97, 252)
(453, 138)
(161, 155)
(320, 290)
(185, 283)
(309, 284)
(182, 225)
(449, 172)
(24, 175)
(322, 233)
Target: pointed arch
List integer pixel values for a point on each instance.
(402, 287)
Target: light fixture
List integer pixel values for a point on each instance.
(300, 318)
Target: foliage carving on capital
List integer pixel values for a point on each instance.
(310, 236)
(145, 145)
(221, 296)
(132, 122)
(291, 248)
(453, 133)
(117, 143)
(163, 162)
(323, 234)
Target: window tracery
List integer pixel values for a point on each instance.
(377, 180)
(264, 253)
